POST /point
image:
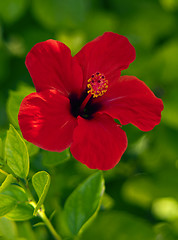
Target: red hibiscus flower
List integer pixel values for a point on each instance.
(77, 99)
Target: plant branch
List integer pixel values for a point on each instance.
(41, 211)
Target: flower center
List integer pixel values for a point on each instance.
(97, 85)
(84, 105)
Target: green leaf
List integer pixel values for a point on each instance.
(17, 193)
(1, 148)
(6, 182)
(84, 202)
(2, 145)
(32, 149)
(16, 153)
(12, 10)
(23, 210)
(13, 106)
(7, 203)
(55, 158)
(41, 182)
(7, 229)
(1, 152)
(14, 101)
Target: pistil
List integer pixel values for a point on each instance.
(84, 103)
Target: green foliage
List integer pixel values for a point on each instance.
(7, 204)
(14, 101)
(118, 225)
(74, 40)
(21, 210)
(16, 153)
(41, 182)
(16, 192)
(83, 203)
(171, 5)
(56, 13)
(1, 150)
(55, 158)
(170, 114)
(11, 10)
(139, 190)
(8, 229)
(4, 59)
(26, 231)
(107, 202)
(101, 22)
(166, 231)
(165, 209)
(32, 149)
(6, 182)
(13, 104)
(12, 107)
(2, 146)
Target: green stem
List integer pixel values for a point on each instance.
(49, 225)
(3, 172)
(41, 211)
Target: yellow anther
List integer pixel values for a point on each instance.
(97, 85)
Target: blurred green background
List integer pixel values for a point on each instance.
(141, 200)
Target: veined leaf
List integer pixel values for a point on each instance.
(7, 203)
(23, 210)
(16, 153)
(6, 182)
(16, 192)
(84, 202)
(41, 182)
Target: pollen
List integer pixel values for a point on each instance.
(97, 85)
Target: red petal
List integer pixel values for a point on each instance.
(131, 101)
(107, 54)
(99, 142)
(51, 66)
(45, 120)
